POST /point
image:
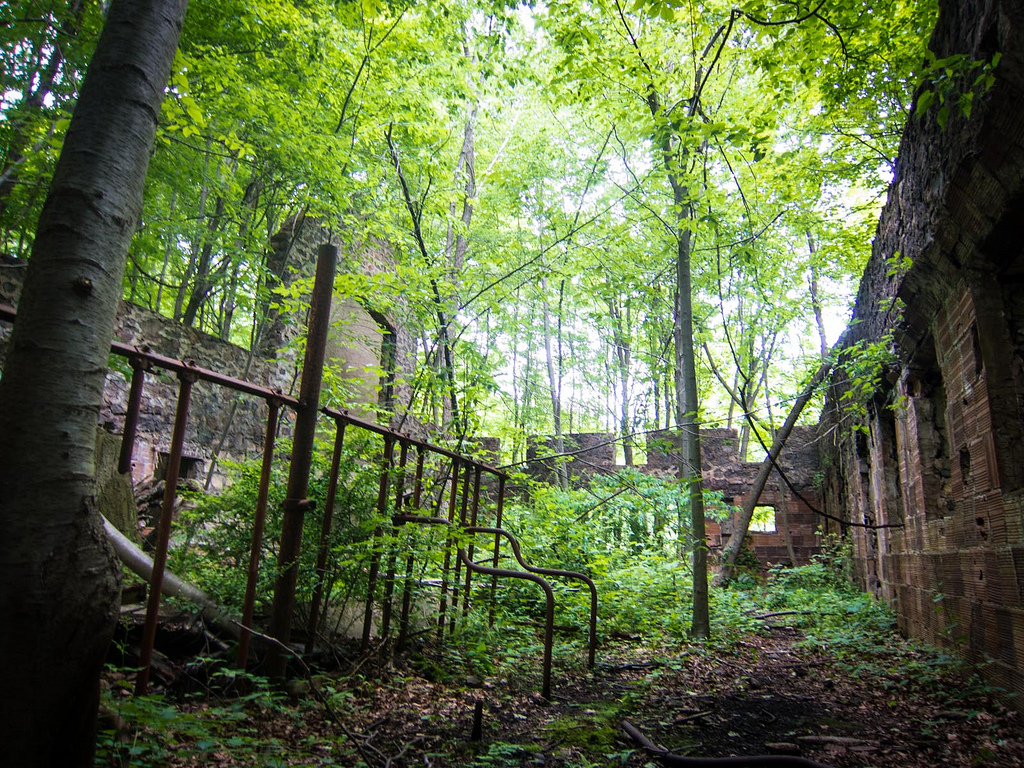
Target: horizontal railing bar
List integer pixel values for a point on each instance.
(8, 313)
(388, 432)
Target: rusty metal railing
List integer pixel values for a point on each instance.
(457, 485)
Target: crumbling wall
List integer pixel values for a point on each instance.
(594, 453)
(929, 471)
(372, 344)
(371, 352)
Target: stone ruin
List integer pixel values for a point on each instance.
(794, 507)
(928, 473)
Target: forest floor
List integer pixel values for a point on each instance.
(764, 693)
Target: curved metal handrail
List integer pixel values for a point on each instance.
(529, 575)
(551, 572)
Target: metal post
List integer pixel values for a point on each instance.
(156, 579)
(259, 523)
(382, 505)
(295, 504)
(452, 502)
(389, 575)
(458, 562)
(325, 535)
(497, 547)
(417, 497)
(471, 548)
(131, 416)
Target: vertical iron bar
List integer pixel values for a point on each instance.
(325, 535)
(458, 562)
(389, 575)
(156, 579)
(131, 416)
(382, 505)
(471, 548)
(417, 498)
(302, 457)
(259, 523)
(449, 539)
(497, 547)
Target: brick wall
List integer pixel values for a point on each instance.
(722, 471)
(930, 477)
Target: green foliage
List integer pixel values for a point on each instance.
(214, 548)
(865, 365)
(151, 729)
(948, 83)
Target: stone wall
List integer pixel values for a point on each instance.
(930, 475)
(373, 344)
(722, 471)
(370, 352)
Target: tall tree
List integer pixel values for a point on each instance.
(61, 580)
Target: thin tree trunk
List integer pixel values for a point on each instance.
(690, 469)
(60, 578)
(36, 100)
(816, 301)
(561, 472)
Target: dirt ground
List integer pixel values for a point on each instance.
(764, 695)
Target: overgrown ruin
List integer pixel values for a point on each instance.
(928, 467)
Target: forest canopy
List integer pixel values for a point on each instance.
(530, 169)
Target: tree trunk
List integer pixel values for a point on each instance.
(816, 301)
(690, 469)
(732, 549)
(555, 386)
(60, 578)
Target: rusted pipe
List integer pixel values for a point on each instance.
(458, 562)
(549, 614)
(302, 457)
(549, 626)
(471, 548)
(497, 549)
(389, 574)
(417, 498)
(258, 525)
(325, 535)
(164, 533)
(382, 505)
(551, 572)
(452, 502)
(131, 416)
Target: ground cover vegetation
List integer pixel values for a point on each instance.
(604, 215)
(798, 658)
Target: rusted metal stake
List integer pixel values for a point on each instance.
(131, 416)
(449, 540)
(156, 579)
(382, 506)
(478, 721)
(325, 536)
(417, 498)
(458, 562)
(259, 523)
(302, 457)
(476, 510)
(497, 548)
(389, 575)
(549, 612)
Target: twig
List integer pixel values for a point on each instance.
(314, 689)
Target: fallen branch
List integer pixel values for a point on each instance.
(141, 565)
(756, 761)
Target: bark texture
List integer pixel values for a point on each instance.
(60, 578)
